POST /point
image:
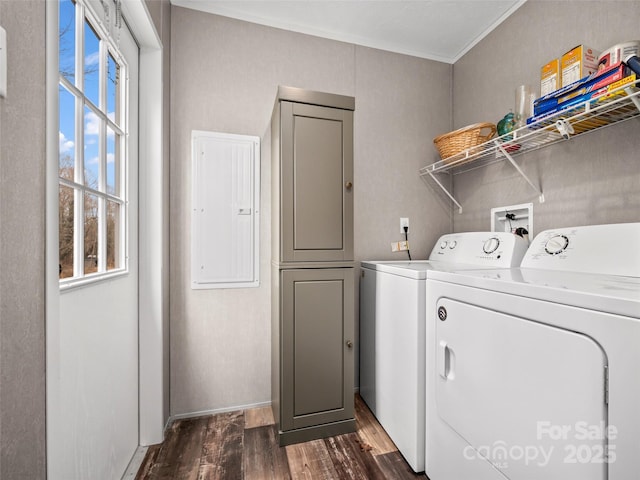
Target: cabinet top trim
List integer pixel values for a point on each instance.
(300, 95)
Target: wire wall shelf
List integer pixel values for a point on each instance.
(618, 105)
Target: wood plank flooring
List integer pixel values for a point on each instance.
(243, 445)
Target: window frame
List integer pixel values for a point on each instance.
(85, 14)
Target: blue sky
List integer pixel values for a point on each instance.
(91, 121)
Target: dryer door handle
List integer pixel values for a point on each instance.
(444, 363)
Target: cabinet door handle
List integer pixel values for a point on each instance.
(348, 185)
(349, 344)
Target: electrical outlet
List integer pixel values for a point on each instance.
(404, 222)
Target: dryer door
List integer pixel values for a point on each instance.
(527, 397)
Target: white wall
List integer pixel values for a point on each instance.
(225, 75)
(160, 11)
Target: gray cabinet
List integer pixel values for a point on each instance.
(317, 348)
(313, 274)
(317, 179)
(312, 178)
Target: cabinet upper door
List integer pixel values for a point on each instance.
(316, 183)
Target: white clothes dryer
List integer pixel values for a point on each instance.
(533, 372)
(392, 329)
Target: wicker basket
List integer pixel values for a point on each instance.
(452, 143)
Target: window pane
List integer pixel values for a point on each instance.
(90, 157)
(113, 162)
(92, 128)
(67, 35)
(67, 133)
(113, 90)
(65, 231)
(91, 64)
(91, 233)
(113, 236)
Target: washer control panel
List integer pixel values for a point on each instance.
(587, 249)
(490, 249)
(450, 244)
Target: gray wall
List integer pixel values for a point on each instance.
(224, 78)
(589, 180)
(22, 244)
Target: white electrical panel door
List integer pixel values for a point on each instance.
(225, 235)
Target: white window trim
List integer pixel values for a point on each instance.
(151, 325)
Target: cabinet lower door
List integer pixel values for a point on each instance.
(317, 346)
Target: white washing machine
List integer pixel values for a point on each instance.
(392, 330)
(534, 372)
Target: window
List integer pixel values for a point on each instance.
(92, 161)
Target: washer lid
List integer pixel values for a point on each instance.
(416, 269)
(606, 293)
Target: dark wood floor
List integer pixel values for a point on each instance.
(243, 444)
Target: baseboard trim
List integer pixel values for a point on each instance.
(135, 463)
(214, 411)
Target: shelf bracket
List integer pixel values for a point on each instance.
(517, 167)
(445, 191)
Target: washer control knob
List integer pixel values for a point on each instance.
(491, 245)
(443, 245)
(453, 244)
(556, 244)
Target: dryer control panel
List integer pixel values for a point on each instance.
(490, 249)
(600, 249)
